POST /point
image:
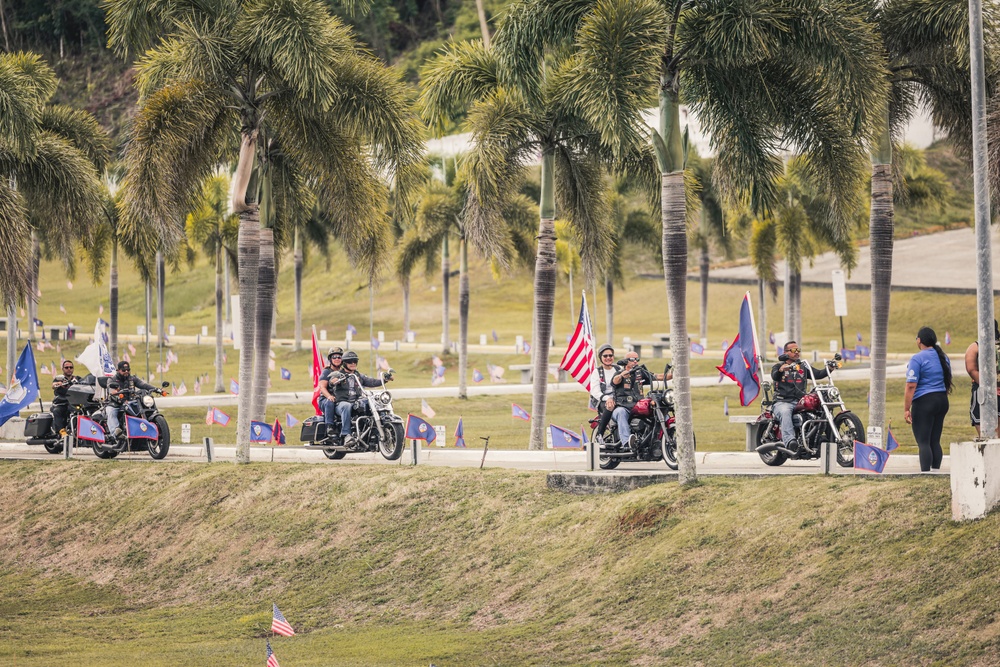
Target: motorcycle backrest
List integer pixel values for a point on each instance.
(103, 382)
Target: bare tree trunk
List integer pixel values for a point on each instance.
(703, 275)
(265, 316)
(161, 319)
(36, 260)
(113, 299)
(795, 293)
(219, 387)
(406, 307)
(762, 337)
(463, 318)
(3, 24)
(787, 297)
(881, 229)
(227, 283)
(445, 283)
(249, 264)
(609, 309)
(483, 25)
(545, 302)
(297, 254)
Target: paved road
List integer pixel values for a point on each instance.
(942, 260)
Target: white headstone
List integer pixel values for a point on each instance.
(411, 336)
(548, 438)
(322, 334)
(518, 343)
(171, 330)
(381, 336)
(439, 440)
(204, 331)
(833, 346)
(875, 436)
(482, 339)
(185, 433)
(140, 330)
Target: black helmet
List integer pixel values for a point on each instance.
(124, 366)
(335, 350)
(603, 349)
(350, 357)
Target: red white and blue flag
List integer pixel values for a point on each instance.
(88, 429)
(217, 416)
(519, 412)
(272, 661)
(260, 432)
(279, 625)
(277, 433)
(139, 428)
(418, 429)
(741, 361)
(890, 441)
(580, 358)
(459, 434)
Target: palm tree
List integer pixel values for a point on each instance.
(213, 227)
(50, 193)
(520, 104)
(759, 75)
(710, 230)
(927, 46)
(286, 82)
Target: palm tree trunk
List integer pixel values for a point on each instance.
(796, 306)
(881, 229)
(787, 296)
(219, 388)
(11, 339)
(445, 283)
(149, 320)
(545, 302)
(113, 298)
(406, 307)
(483, 25)
(297, 254)
(463, 317)
(703, 275)
(36, 259)
(762, 337)
(161, 319)
(609, 309)
(248, 249)
(226, 285)
(265, 317)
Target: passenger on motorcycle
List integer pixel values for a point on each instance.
(335, 364)
(602, 394)
(791, 378)
(627, 387)
(347, 386)
(60, 403)
(123, 386)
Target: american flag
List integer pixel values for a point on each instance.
(580, 358)
(279, 625)
(271, 660)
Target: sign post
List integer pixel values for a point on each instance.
(840, 302)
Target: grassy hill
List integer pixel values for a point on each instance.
(108, 563)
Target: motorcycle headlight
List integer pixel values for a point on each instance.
(834, 393)
(147, 401)
(384, 398)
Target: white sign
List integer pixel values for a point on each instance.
(411, 336)
(140, 330)
(839, 294)
(439, 439)
(171, 330)
(204, 331)
(518, 344)
(834, 346)
(482, 339)
(186, 433)
(322, 334)
(875, 436)
(381, 336)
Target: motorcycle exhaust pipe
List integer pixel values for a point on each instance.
(773, 447)
(40, 441)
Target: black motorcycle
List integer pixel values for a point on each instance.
(39, 429)
(373, 424)
(653, 423)
(140, 405)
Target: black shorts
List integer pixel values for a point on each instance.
(974, 406)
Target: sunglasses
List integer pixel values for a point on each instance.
(336, 356)
(67, 368)
(607, 356)
(631, 358)
(352, 361)
(793, 349)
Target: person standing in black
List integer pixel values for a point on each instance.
(925, 402)
(60, 403)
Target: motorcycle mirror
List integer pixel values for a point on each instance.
(837, 357)
(783, 357)
(165, 385)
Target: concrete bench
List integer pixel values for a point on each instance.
(656, 345)
(751, 435)
(527, 372)
(55, 332)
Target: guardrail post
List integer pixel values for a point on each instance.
(592, 449)
(825, 449)
(208, 448)
(67, 443)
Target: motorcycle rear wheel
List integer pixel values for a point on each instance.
(604, 461)
(770, 428)
(158, 448)
(391, 447)
(55, 447)
(849, 429)
(103, 450)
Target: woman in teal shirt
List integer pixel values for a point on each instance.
(928, 383)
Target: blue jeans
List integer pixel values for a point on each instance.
(333, 409)
(782, 411)
(620, 415)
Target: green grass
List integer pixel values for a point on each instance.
(105, 562)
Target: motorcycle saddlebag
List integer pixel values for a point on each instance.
(37, 425)
(313, 429)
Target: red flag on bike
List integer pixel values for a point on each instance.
(580, 358)
(317, 370)
(742, 360)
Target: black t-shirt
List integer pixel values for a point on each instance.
(793, 384)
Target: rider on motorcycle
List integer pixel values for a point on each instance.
(602, 395)
(347, 386)
(327, 401)
(791, 377)
(123, 386)
(627, 386)
(60, 402)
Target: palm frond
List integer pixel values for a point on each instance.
(20, 102)
(81, 129)
(579, 181)
(15, 245)
(463, 73)
(413, 247)
(136, 25)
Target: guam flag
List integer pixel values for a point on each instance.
(260, 432)
(563, 438)
(866, 457)
(742, 361)
(88, 429)
(23, 388)
(418, 429)
(277, 433)
(217, 416)
(518, 412)
(137, 427)
(460, 434)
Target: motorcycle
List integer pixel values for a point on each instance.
(815, 423)
(39, 429)
(653, 422)
(142, 405)
(373, 423)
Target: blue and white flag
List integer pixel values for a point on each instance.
(88, 429)
(290, 421)
(418, 429)
(866, 457)
(459, 434)
(137, 427)
(563, 438)
(890, 441)
(519, 412)
(260, 432)
(234, 387)
(741, 361)
(476, 375)
(286, 374)
(351, 329)
(23, 387)
(375, 343)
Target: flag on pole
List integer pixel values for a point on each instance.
(286, 374)
(88, 429)
(217, 416)
(519, 412)
(279, 625)
(272, 661)
(580, 357)
(23, 387)
(476, 375)
(290, 421)
(890, 441)
(316, 371)
(260, 432)
(137, 427)
(495, 337)
(418, 429)
(866, 457)
(741, 361)
(563, 438)
(459, 434)
(277, 433)
(234, 387)
(426, 410)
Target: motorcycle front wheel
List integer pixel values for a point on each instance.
(849, 429)
(604, 461)
(391, 447)
(768, 432)
(158, 448)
